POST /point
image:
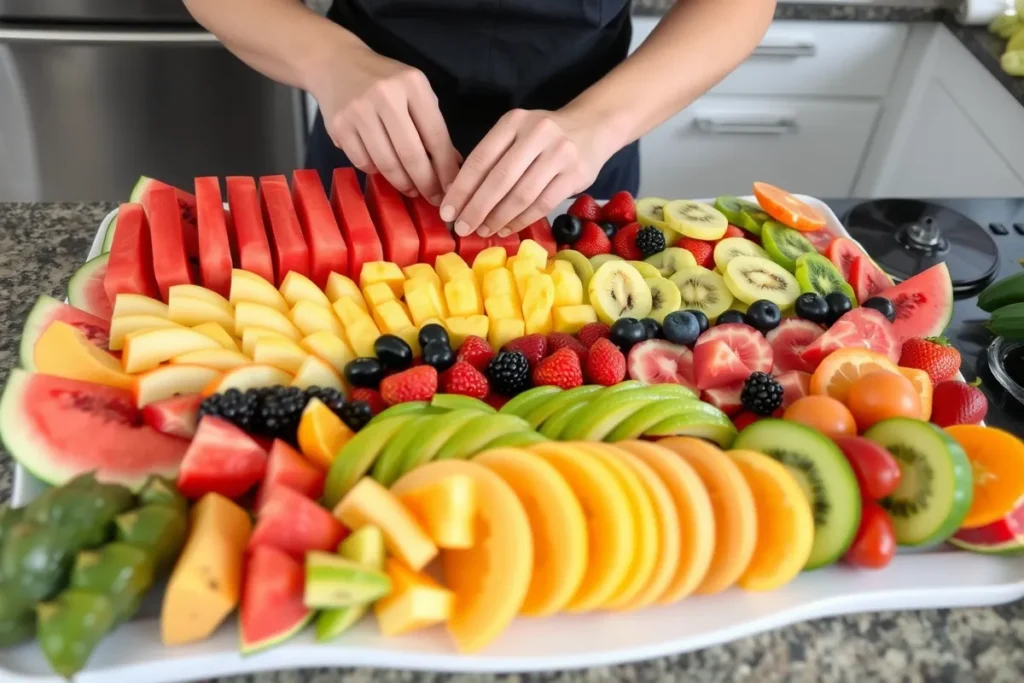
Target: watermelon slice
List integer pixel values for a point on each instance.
(924, 304)
(58, 428)
(354, 220)
(252, 250)
(726, 398)
(47, 310)
(186, 209)
(468, 246)
(171, 264)
(327, 249)
(397, 232)
(540, 232)
(294, 524)
(287, 245)
(1002, 537)
(272, 608)
(177, 415)
(867, 279)
(221, 459)
(86, 291)
(287, 467)
(130, 268)
(509, 242)
(842, 252)
(215, 246)
(435, 237)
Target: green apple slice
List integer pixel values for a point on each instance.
(358, 455)
(478, 432)
(522, 404)
(539, 414)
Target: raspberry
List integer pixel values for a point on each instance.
(560, 340)
(476, 351)
(605, 363)
(560, 369)
(414, 384)
(624, 242)
(533, 346)
(372, 398)
(591, 332)
(462, 378)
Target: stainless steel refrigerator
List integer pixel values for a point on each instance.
(94, 93)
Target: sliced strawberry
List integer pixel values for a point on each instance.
(863, 328)
(750, 345)
(726, 399)
(716, 364)
(788, 340)
(795, 385)
(867, 279)
(657, 361)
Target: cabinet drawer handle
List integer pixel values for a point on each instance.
(786, 51)
(776, 127)
(39, 35)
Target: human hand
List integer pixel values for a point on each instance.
(384, 116)
(523, 168)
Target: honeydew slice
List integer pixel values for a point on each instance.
(126, 325)
(249, 314)
(311, 317)
(189, 311)
(170, 380)
(197, 292)
(218, 359)
(146, 350)
(246, 286)
(138, 304)
(280, 353)
(249, 377)
(297, 287)
(219, 334)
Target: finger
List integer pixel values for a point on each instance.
(405, 139)
(477, 166)
(557, 191)
(524, 193)
(433, 132)
(382, 153)
(348, 141)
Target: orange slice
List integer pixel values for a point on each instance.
(787, 209)
(696, 516)
(734, 509)
(997, 459)
(321, 434)
(785, 525)
(557, 522)
(923, 383)
(842, 368)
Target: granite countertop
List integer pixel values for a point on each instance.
(42, 244)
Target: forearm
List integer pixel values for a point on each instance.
(695, 45)
(281, 39)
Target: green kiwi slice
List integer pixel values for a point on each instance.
(742, 214)
(784, 245)
(815, 273)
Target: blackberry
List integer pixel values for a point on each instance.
(355, 414)
(280, 412)
(762, 393)
(332, 398)
(509, 373)
(650, 241)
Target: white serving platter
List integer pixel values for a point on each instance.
(929, 578)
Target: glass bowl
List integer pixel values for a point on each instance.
(998, 351)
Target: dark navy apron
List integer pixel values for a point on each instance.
(484, 58)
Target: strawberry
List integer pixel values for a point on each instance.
(586, 208)
(414, 384)
(475, 351)
(934, 355)
(371, 396)
(592, 240)
(591, 332)
(958, 403)
(496, 401)
(745, 418)
(701, 250)
(560, 340)
(462, 378)
(560, 369)
(605, 363)
(732, 231)
(624, 243)
(533, 346)
(620, 209)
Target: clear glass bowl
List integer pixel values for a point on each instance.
(998, 351)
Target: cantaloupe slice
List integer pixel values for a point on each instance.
(146, 350)
(490, 579)
(171, 380)
(218, 359)
(557, 522)
(370, 503)
(733, 504)
(610, 529)
(219, 334)
(138, 304)
(125, 325)
(206, 583)
(446, 509)
(246, 286)
(645, 522)
(65, 351)
(696, 517)
(785, 523)
(416, 601)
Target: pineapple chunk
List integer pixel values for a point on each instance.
(540, 323)
(339, 287)
(463, 297)
(568, 288)
(421, 270)
(382, 271)
(461, 327)
(559, 264)
(424, 299)
(571, 319)
(498, 282)
(379, 292)
(487, 260)
(451, 267)
(522, 271)
(537, 303)
(360, 330)
(503, 307)
(411, 335)
(391, 317)
(532, 251)
(505, 330)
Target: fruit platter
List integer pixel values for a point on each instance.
(277, 425)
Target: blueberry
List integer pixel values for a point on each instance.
(364, 372)
(812, 306)
(608, 228)
(432, 332)
(439, 355)
(653, 328)
(731, 316)
(764, 316)
(682, 327)
(394, 353)
(566, 229)
(882, 305)
(627, 332)
(838, 304)
(702, 321)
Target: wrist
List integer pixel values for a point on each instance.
(317, 65)
(605, 130)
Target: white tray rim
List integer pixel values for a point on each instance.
(924, 579)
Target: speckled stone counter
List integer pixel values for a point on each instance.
(42, 244)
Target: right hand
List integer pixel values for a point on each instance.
(384, 116)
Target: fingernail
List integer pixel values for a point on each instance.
(504, 232)
(484, 231)
(436, 199)
(448, 213)
(461, 227)
(412, 193)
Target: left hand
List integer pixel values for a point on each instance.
(523, 168)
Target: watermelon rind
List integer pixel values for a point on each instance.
(931, 319)
(38, 317)
(1008, 549)
(249, 648)
(135, 196)
(79, 287)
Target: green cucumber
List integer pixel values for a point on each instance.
(1009, 290)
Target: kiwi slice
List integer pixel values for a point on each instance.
(696, 220)
(815, 273)
(580, 264)
(702, 290)
(750, 278)
(671, 260)
(823, 473)
(650, 211)
(645, 269)
(784, 245)
(617, 290)
(731, 247)
(601, 259)
(742, 214)
(665, 297)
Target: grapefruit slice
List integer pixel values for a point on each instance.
(727, 398)
(612, 537)
(795, 385)
(557, 522)
(785, 525)
(750, 345)
(490, 580)
(863, 328)
(47, 310)
(843, 367)
(717, 365)
(924, 304)
(734, 510)
(788, 341)
(656, 361)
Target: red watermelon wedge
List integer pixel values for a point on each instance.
(924, 304)
(272, 608)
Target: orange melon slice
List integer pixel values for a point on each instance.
(733, 505)
(645, 525)
(785, 524)
(695, 514)
(65, 351)
(557, 522)
(491, 578)
(610, 528)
